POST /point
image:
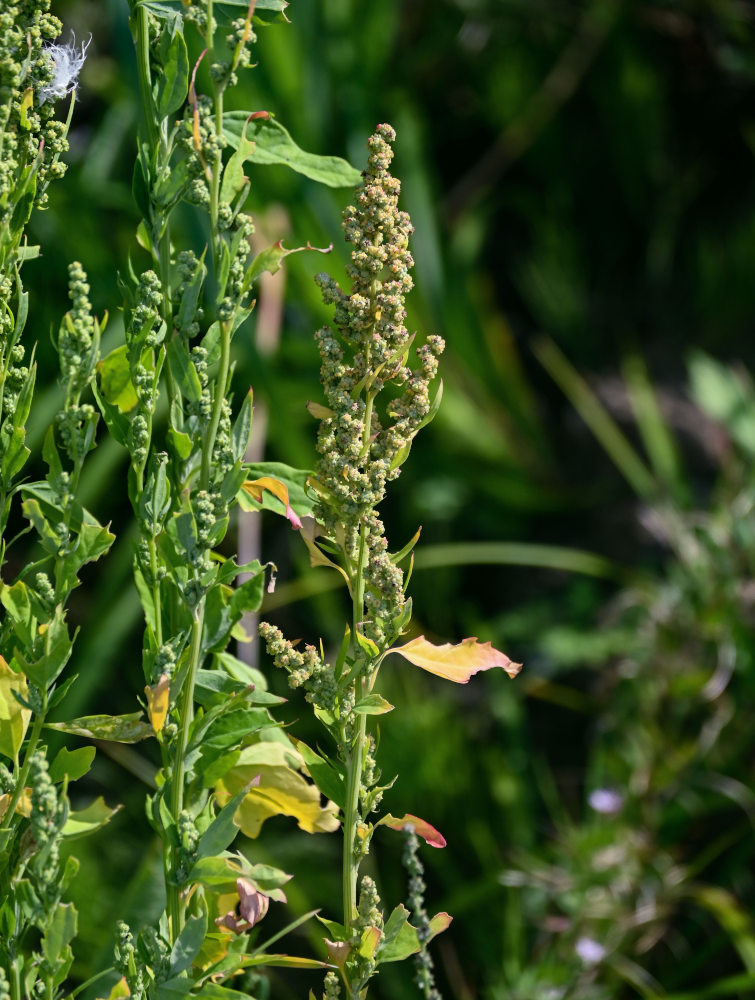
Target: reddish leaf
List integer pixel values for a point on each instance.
(421, 827)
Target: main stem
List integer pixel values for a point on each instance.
(186, 716)
(355, 758)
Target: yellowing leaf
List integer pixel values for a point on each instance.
(254, 488)
(23, 806)
(281, 790)
(14, 718)
(120, 990)
(158, 701)
(456, 663)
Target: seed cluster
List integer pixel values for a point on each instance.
(361, 446)
(31, 138)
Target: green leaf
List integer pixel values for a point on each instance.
(373, 704)
(270, 260)
(72, 763)
(116, 728)
(242, 427)
(14, 453)
(222, 831)
(59, 932)
(115, 380)
(86, 821)
(183, 371)
(274, 145)
(188, 943)
(173, 83)
(328, 779)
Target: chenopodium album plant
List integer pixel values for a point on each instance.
(36, 925)
(375, 405)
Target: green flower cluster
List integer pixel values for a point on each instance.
(305, 670)
(31, 140)
(361, 449)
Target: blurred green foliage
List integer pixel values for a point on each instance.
(581, 170)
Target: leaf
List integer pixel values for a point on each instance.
(117, 728)
(330, 781)
(282, 790)
(73, 764)
(271, 259)
(456, 663)
(373, 704)
(274, 145)
(85, 821)
(188, 943)
(115, 380)
(422, 828)
(60, 931)
(254, 488)
(222, 831)
(407, 943)
(173, 82)
(158, 702)
(120, 991)
(14, 718)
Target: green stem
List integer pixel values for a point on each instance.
(145, 76)
(186, 716)
(351, 818)
(15, 980)
(355, 758)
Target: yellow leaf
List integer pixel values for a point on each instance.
(14, 718)
(23, 806)
(281, 790)
(456, 663)
(158, 701)
(254, 488)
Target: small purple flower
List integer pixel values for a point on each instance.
(67, 61)
(606, 801)
(590, 951)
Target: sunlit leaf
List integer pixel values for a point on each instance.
(282, 790)
(90, 819)
(118, 728)
(274, 145)
(14, 718)
(255, 487)
(158, 702)
(456, 663)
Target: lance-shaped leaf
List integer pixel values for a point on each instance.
(421, 827)
(117, 728)
(14, 718)
(456, 663)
